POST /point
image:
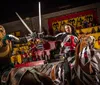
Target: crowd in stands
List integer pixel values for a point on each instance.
(34, 51)
(30, 51)
(95, 29)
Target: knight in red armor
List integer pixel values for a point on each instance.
(68, 41)
(68, 38)
(68, 44)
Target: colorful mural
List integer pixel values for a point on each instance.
(79, 20)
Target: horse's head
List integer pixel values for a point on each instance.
(91, 40)
(84, 53)
(85, 40)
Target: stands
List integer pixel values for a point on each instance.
(93, 31)
(28, 52)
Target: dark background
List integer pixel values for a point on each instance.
(29, 8)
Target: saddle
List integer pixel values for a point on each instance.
(17, 75)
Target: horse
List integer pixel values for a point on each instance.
(25, 76)
(68, 41)
(58, 71)
(86, 66)
(16, 76)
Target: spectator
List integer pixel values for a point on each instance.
(97, 44)
(80, 31)
(45, 31)
(55, 29)
(62, 26)
(89, 24)
(85, 23)
(98, 29)
(93, 30)
(99, 40)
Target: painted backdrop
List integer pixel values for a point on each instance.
(56, 24)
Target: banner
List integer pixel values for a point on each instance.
(56, 24)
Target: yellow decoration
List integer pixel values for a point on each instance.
(96, 45)
(16, 58)
(85, 30)
(96, 35)
(77, 22)
(18, 34)
(89, 30)
(15, 49)
(19, 60)
(12, 59)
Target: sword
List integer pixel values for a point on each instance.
(24, 23)
(40, 24)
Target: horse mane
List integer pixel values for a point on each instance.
(81, 44)
(77, 55)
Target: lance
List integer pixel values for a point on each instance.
(24, 23)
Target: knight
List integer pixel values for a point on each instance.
(68, 44)
(6, 48)
(68, 39)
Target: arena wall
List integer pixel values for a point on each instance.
(33, 22)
